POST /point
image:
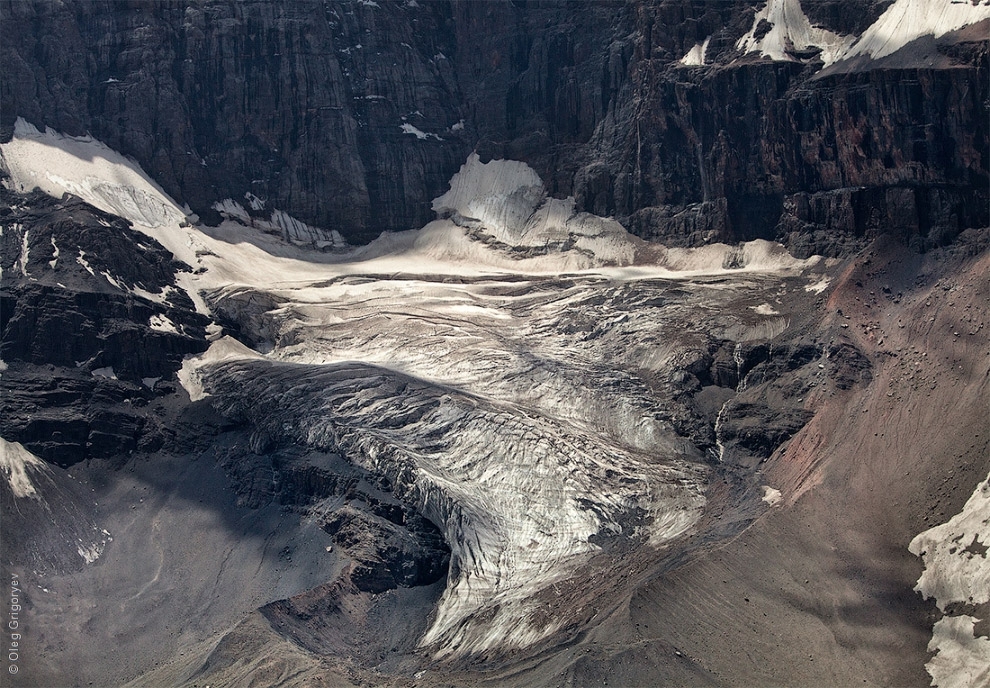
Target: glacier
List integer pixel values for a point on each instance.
(508, 369)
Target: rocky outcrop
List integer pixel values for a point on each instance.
(389, 544)
(352, 116)
(392, 547)
(81, 289)
(93, 326)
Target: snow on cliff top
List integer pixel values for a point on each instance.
(908, 20)
(903, 22)
(87, 168)
(496, 216)
(791, 30)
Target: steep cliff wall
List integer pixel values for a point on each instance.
(301, 104)
(353, 115)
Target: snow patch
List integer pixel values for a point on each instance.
(908, 20)
(88, 169)
(90, 552)
(161, 323)
(770, 495)
(418, 133)
(224, 349)
(112, 280)
(962, 658)
(765, 309)
(791, 35)
(695, 57)
(957, 570)
(213, 332)
(16, 462)
(160, 297)
(81, 259)
(818, 287)
(758, 255)
(25, 253)
(107, 373)
(54, 261)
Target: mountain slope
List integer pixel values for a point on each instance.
(518, 443)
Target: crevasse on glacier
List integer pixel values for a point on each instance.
(506, 368)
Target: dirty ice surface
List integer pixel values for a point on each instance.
(535, 344)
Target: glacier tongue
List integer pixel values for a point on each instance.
(521, 496)
(508, 369)
(525, 415)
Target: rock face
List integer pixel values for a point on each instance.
(93, 325)
(303, 104)
(352, 115)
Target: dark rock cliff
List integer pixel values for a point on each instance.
(91, 327)
(298, 103)
(353, 115)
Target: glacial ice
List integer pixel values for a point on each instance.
(953, 571)
(903, 22)
(502, 367)
(83, 166)
(279, 222)
(500, 195)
